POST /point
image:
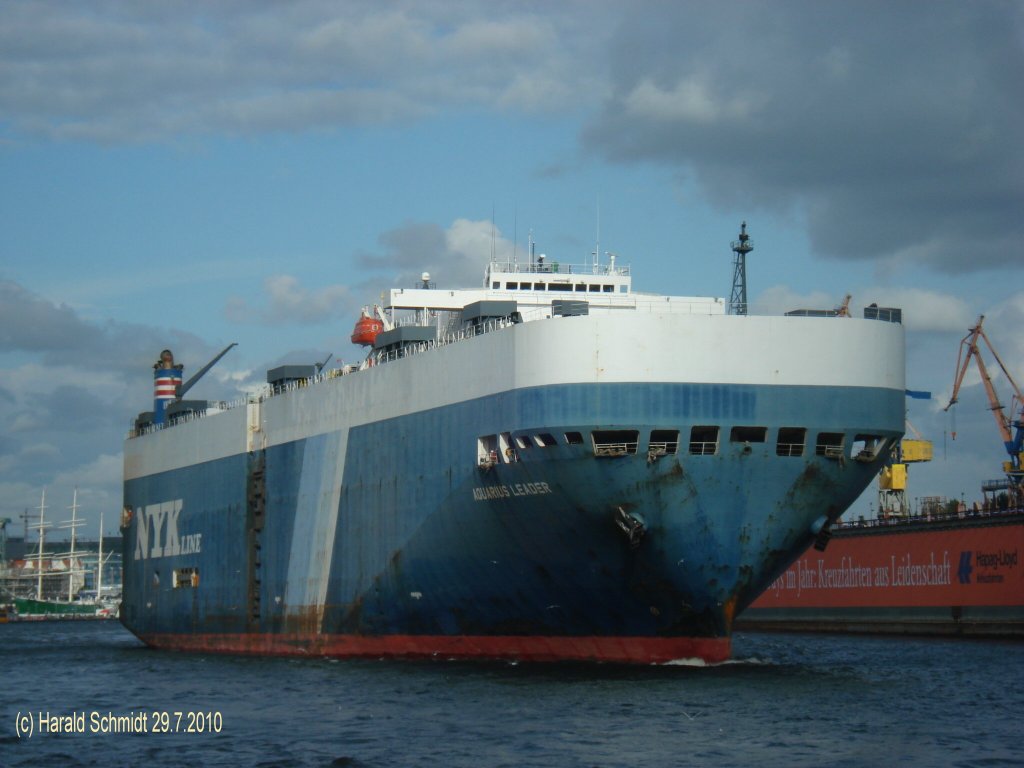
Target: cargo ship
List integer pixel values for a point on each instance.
(551, 466)
(952, 573)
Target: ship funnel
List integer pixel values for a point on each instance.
(166, 382)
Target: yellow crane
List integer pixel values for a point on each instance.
(1006, 423)
(892, 482)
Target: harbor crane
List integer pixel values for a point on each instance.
(3, 540)
(1010, 425)
(892, 480)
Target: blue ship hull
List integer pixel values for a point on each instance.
(427, 552)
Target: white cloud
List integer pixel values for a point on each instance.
(1002, 325)
(289, 302)
(105, 471)
(894, 133)
(925, 310)
(455, 257)
(690, 100)
(779, 299)
(128, 73)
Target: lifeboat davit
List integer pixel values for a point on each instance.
(366, 330)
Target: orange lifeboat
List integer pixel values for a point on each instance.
(366, 330)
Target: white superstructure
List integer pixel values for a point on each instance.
(605, 288)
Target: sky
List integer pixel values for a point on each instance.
(189, 175)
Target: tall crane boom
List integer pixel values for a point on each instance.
(1007, 423)
(970, 343)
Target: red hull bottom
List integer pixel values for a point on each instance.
(616, 650)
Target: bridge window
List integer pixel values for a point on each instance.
(545, 440)
(574, 438)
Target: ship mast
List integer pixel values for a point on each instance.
(741, 247)
(99, 565)
(73, 524)
(41, 526)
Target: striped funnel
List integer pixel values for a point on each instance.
(166, 382)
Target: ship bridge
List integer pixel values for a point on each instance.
(544, 288)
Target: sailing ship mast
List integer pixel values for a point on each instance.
(41, 526)
(74, 525)
(99, 566)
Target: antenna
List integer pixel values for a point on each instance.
(741, 247)
(515, 239)
(597, 237)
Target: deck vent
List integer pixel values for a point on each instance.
(569, 308)
(286, 374)
(481, 311)
(812, 313)
(179, 409)
(143, 420)
(403, 336)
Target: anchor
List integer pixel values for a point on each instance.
(631, 525)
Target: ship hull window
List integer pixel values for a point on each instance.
(791, 441)
(703, 441)
(663, 442)
(748, 434)
(615, 442)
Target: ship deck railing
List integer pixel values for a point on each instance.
(703, 448)
(662, 448)
(452, 337)
(557, 268)
(607, 450)
(444, 340)
(928, 519)
(268, 391)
